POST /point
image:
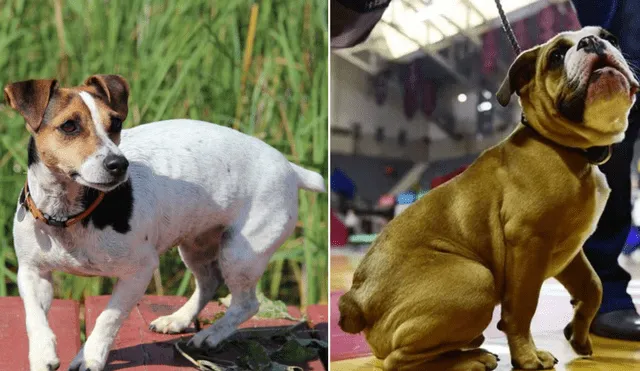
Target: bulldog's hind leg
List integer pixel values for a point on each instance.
(457, 360)
(469, 360)
(448, 321)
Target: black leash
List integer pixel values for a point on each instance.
(597, 155)
(506, 26)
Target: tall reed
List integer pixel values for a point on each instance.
(260, 67)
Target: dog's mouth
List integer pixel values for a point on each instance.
(603, 78)
(101, 186)
(600, 64)
(606, 67)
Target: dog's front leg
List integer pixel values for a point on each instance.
(526, 263)
(36, 291)
(126, 294)
(584, 285)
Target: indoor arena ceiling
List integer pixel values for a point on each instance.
(423, 27)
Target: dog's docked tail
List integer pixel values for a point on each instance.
(308, 179)
(351, 319)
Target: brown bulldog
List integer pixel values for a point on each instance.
(427, 287)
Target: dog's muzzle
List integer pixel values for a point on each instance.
(116, 165)
(591, 44)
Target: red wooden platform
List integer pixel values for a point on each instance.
(136, 347)
(14, 345)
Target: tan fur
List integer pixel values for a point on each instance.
(30, 98)
(55, 105)
(63, 152)
(540, 88)
(427, 287)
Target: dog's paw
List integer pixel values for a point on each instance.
(204, 340)
(79, 363)
(171, 324)
(540, 360)
(547, 359)
(50, 365)
(489, 360)
(43, 357)
(470, 360)
(85, 365)
(582, 347)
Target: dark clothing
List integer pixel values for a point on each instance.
(606, 244)
(353, 20)
(620, 17)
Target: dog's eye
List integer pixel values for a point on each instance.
(556, 58)
(116, 125)
(70, 127)
(612, 39)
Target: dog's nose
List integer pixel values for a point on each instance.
(116, 165)
(591, 44)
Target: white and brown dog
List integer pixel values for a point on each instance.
(104, 201)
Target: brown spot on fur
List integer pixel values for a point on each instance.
(64, 152)
(30, 98)
(105, 111)
(114, 91)
(45, 107)
(211, 237)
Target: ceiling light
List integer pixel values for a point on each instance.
(462, 98)
(484, 106)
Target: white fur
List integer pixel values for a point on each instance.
(635, 213)
(578, 65)
(92, 173)
(188, 178)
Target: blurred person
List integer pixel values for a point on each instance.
(353, 20)
(617, 317)
(352, 222)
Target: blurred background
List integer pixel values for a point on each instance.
(245, 64)
(413, 105)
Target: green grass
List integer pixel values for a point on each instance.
(183, 59)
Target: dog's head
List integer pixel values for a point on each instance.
(576, 89)
(76, 130)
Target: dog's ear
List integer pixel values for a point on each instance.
(30, 98)
(114, 89)
(520, 73)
